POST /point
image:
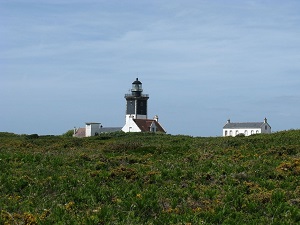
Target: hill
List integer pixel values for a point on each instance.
(141, 178)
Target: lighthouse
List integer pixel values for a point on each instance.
(136, 111)
(136, 102)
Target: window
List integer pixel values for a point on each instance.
(257, 131)
(266, 127)
(237, 132)
(225, 132)
(230, 132)
(246, 132)
(252, 131)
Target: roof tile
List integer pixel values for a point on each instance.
(145, 124)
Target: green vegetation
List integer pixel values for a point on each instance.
(143, 178)
(69, 133)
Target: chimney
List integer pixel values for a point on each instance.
(228, 121)
(156, 118)
(265, 120)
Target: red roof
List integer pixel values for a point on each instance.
(145, 124)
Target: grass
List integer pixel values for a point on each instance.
(141, 178)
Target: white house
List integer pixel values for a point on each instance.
(93, 129)
(248, 128)
(136, 112)
(142, 125)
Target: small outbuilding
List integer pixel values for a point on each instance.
(93, 129)
(246, 128)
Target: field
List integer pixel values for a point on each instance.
(141, 178)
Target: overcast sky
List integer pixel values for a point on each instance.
(64, 63)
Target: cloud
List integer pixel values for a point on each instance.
(216, 59)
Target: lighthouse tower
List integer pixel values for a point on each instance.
(136, 102)
(136, 112)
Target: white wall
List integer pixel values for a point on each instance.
(88, 130)
(153, 127)
(91, 129)
(266, 131)
(247, 132)
(130, 125)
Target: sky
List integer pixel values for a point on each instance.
(67, 62)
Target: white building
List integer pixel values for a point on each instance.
(136, 117)
(93, 129)
(248, 128)
(136, 112)
(142, 125)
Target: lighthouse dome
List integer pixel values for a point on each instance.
(137, 87)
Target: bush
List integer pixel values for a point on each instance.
(69, 133)
(7, 134)
(146, 178)
(32, 136)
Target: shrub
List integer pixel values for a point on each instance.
(32, 136)
(7, 134)
(141, 178)
(69, 133)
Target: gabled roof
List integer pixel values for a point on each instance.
(80, 132)
(145, 124)
(110, 129)
(243, 125)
